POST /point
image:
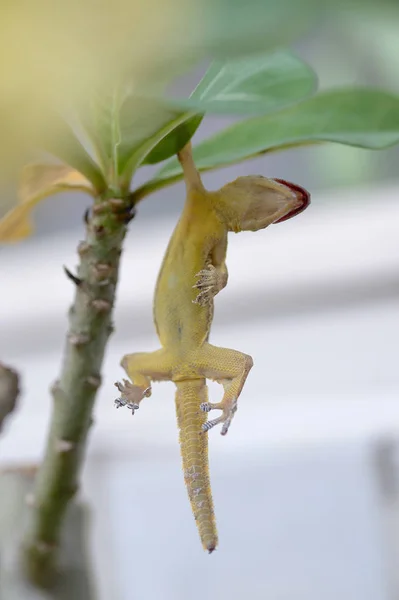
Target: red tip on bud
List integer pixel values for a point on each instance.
(301, 194)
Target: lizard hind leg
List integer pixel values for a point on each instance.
(142, 368)
(230, 368)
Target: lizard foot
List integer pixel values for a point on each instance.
(131, 395)
(229, 409)
(208, 285)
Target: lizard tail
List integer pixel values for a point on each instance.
(194, 450)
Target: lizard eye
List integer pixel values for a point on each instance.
(302, 195)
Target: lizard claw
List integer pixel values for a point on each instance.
(226, 418)
(207, 285)
(121, 402)
(206, 276)
(131, 395)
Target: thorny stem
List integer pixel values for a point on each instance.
(74, 393)
(9, 392)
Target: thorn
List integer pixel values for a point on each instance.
(78, 339)
(102, 270)
(117, 204)
(104, 282)
(129, 215)
(86, 216)
(76, 280)
(99, 230)
(55, 387)
(62, 446)
(94, 381)
(100, 208)
(101, 305)
(57, 392)
(83, 248)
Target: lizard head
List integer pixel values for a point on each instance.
(253, 202)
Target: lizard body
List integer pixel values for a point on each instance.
(192, 273)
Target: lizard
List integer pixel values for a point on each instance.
(193, 271)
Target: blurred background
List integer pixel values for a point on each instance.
(305, 483)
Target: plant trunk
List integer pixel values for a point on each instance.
(74, 581)
(90, 326)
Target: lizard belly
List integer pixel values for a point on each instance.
(182, 325)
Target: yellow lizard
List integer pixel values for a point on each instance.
(192, 273)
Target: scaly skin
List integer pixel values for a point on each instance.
(192, 273)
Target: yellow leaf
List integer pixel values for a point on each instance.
(37, 182)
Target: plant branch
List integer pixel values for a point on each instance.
(90, 326)
(9, 392)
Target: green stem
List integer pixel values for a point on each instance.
(74, 393)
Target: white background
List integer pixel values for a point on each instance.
(301, 515)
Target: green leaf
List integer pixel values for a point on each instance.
(61, 141)
(356, 117)
(125, 128)
(174, 141)
(233, 28)
(256, 84)
(129, 130)
(228, 28)
(143, 123)
(217, 28)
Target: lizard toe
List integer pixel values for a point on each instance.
(210, 424)
(131, 395)
(208, 406)
(226, 418)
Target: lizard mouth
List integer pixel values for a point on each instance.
(302, 195)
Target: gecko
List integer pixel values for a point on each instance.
(193, 271)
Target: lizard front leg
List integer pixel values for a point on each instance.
(210, 281)
(142, 368)
(230, 368)
(213, 278)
